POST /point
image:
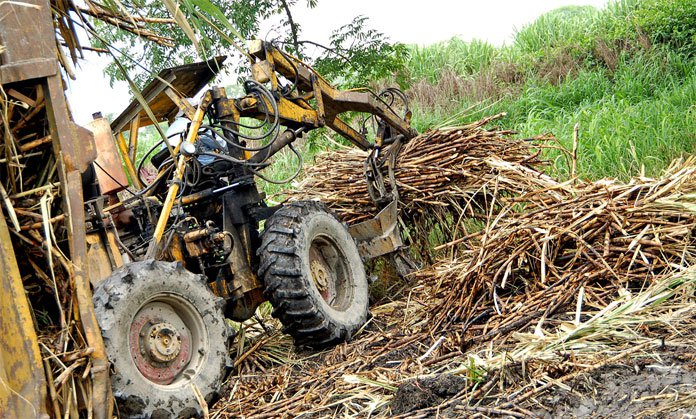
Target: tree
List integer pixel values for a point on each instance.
(148, 35)
(186, 31)
(369, 55)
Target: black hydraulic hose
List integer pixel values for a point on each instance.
(213, 128)
(300, 162)
(252, 86)
(231, 159)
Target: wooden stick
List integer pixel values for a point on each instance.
(35, 143)
(38, 190)
(574, 161)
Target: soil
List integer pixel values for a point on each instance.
(638, 388)
(663, 385)
(420, 393)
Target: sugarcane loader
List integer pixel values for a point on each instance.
(169, 257)
(192, 238)
(144, 279)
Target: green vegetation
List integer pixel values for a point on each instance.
(359, 54)
(182, 32)
(626, 74)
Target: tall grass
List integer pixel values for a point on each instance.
(570, 25)
(634, 97)
(427, 63)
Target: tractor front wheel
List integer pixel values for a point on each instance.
(313, 274)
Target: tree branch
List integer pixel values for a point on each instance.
(293, 26)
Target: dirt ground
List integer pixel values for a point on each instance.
(426, 392)
(661, 385)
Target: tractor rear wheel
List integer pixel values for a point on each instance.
(165, 335)
(314, 276)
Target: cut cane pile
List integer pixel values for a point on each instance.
(551, 282)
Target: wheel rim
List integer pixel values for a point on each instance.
(167, 340)
(330, 272)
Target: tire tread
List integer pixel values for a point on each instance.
(281, 271)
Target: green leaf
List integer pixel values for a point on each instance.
(178, 16)
(214, 12)
(139, 97)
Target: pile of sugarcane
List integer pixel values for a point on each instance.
(540, 244)
(443, 172)
(31, 204)
(609, 236)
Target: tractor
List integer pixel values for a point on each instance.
(197, 243)
(160, 261)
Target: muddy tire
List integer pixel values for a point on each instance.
(164, 332)
(313, 274)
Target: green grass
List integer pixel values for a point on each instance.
(633, 95)
(561, 27)
(461, 57)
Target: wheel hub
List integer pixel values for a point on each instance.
(320, 276)
(328, 271)
(160, 343)
(163, 342)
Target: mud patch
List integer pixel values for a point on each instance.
(420, 393)
(664, 387)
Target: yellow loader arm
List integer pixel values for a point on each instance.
(295, 109)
